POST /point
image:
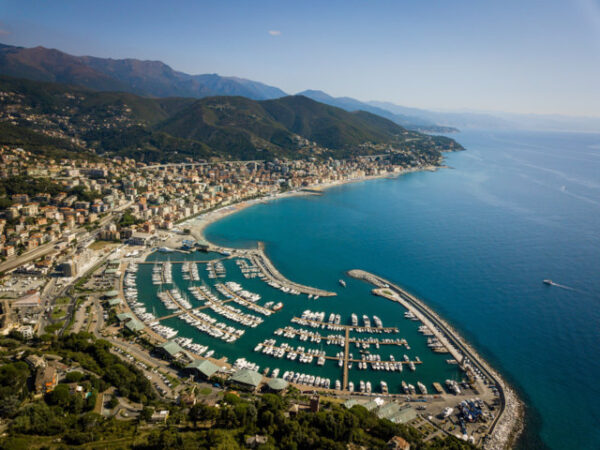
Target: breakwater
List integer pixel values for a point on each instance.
(508, 423)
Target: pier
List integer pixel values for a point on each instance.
(346, 348)
(339, 327)
(346, 359)
(261, 309)
(317, 337)
(462, 353)
(170, 316)
(259, 259)
(183, 311)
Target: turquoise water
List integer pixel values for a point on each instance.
(356, 297)
(475, 242)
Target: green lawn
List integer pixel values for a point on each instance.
(58, 312)
(62, 301)
(54, 327)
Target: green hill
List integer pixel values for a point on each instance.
(86, 122)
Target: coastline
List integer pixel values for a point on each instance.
(199, 223)
(509, 424)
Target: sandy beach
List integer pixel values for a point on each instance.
(198, 224)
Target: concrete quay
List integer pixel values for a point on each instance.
(261, 260)
(508, 422)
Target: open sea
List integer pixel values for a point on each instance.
(475, 242)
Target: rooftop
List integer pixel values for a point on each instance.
(404, 414)
(204, 366)
(123, 317)
(171, 347)
(135, 325)
(277, 384)
(247, 377)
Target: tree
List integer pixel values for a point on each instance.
(113, 402)
(201, 413)
(38, 418)
(146, 413)
(60, 396)
(73, 377)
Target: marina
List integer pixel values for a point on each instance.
(454, 294)
(406, 356)
(223, 306)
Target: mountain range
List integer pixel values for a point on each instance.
(147, 78)
(413, 122)
(56, 118)
(156, 79)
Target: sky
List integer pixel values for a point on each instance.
(523, 56)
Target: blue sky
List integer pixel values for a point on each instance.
(516, 56)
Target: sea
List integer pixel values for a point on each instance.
(474, 241)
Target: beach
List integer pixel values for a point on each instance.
(198, 224)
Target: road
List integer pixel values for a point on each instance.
(44, 249)
(159, 166)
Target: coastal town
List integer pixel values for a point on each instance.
(73, 241)
(299, 225)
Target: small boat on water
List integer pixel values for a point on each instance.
(384, 387)
(549, 282)
(342, 283)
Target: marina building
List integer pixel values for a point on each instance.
(277, 385)
(114, 302)
(170, 350)
(111, 294)
(134, 325)
(124, 317)
(202, 368)
(405, 414)
(246, 379)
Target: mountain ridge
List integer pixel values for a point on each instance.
(226, 127)
(351, 104)
(142, 77)
(154, 78)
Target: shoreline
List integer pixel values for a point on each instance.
(199, 223)
(509, 424)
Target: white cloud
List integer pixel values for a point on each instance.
(275, 32)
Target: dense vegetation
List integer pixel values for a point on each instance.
(22, 184)
(175, 128)
(51, 147)
(65, 416)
